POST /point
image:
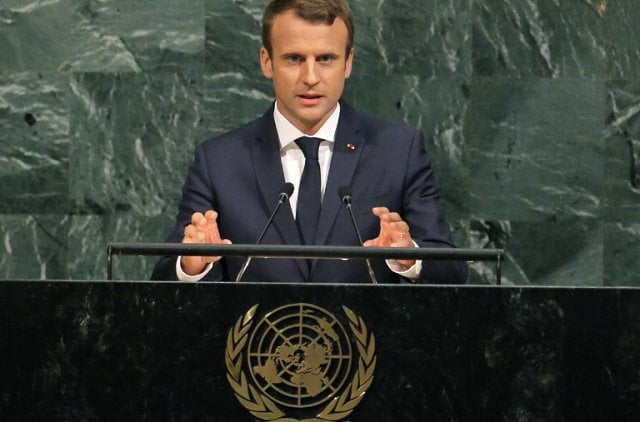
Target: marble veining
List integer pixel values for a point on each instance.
(529, 109)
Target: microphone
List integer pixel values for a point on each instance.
(285, 193)
(345, 196)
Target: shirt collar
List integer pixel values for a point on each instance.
(288, 133)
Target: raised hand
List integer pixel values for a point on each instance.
(394, 232)
(203, 229)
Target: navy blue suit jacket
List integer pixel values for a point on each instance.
(239, 174)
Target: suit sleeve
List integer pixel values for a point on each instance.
(197, 195)
(423, 212)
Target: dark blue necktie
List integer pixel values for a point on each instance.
(309, 194)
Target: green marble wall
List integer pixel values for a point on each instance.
(531, 107)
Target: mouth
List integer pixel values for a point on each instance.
(310, 98)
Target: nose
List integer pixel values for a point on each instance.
(310, 75)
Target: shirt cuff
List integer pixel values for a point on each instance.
(182, 276)
(412, 273)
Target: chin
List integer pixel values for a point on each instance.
(311, 121)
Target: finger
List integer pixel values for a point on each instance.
(379, 211)
(196, 217)
(192, 236)
(194, 233)
(211, 229)
(189, 231)
(211, 216)
(202, 223)
(400, 226)
(370, 242)
(402, 243)
(391, 217)
(401, 239)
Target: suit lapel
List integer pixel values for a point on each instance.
(348, 146)
(265, 156)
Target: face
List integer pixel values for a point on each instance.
(308, 67)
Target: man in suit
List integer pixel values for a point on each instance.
(234, 183)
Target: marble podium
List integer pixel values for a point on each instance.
(156, 351)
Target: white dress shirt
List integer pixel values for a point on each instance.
(292, 157)
(292, 160)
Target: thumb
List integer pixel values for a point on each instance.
(370, 242)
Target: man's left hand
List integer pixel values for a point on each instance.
(394, 232)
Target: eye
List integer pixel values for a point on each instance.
(325, 59)
(294, 58)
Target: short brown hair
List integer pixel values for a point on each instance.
(316, 11)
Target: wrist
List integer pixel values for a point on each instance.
(191, 266)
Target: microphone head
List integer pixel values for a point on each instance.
(344, 193)
(286, 191)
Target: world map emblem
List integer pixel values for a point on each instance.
(300, 360)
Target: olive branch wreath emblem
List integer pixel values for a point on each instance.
(264, 408)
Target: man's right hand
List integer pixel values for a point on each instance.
(203, 229)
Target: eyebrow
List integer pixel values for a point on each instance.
(328, 54)
(332, 55)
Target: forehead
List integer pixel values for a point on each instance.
(292, 33)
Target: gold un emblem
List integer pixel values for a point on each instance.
(299, 359)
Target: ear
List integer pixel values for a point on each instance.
(349, 64)
(265, 63)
